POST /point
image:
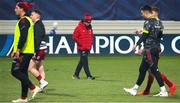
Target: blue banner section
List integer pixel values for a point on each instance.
(7, 45)
(103, 44)
(100, 9)
(6, 42)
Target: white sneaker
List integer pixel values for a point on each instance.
(20, 100)
(162, 94)
(132, 91)
(34, 92)
(43, 86)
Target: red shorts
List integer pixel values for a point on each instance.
(40, 55)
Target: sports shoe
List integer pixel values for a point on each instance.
(172, 89)
(20, 100)
(144, 93)
(91, 78)
(43, 86)
(34, 92)
(75, 77)
(161, 94)
(132, 91)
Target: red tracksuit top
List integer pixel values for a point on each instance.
(83, 37)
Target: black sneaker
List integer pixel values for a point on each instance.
(75, 77)
(91, 78)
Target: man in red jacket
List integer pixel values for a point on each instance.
(83, 36)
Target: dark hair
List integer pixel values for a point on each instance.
(156, 9)
(37, 11)
(146, 8)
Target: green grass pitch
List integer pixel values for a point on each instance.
(113, 73)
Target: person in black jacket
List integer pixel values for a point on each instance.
(151, 37)
(36, 64)
(170, 84)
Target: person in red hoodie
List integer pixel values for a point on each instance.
(83, 36)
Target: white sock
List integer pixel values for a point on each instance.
(136, 86)
(163, 89)
(42, 81)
